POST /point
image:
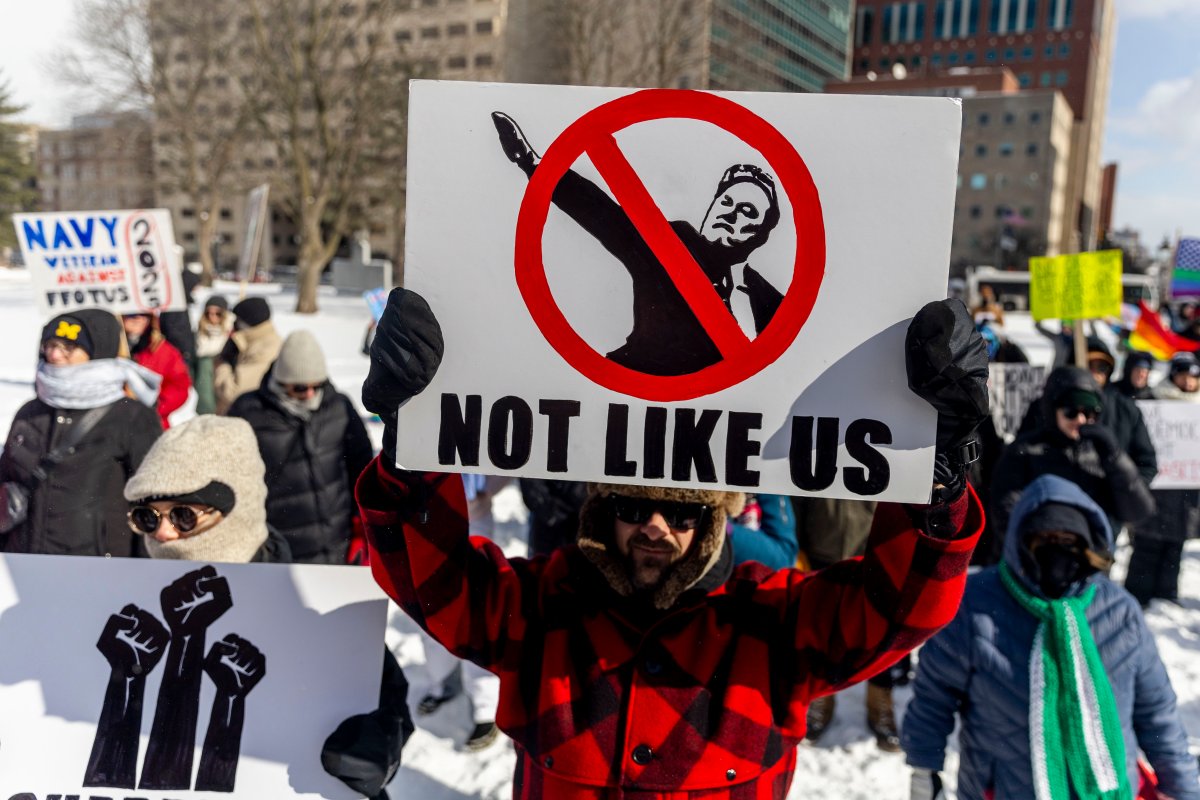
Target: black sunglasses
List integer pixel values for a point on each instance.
(303, 388)
(146, 519)
(1090, 414)
(639, 510)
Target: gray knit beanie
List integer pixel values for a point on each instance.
(185, 463)
(300, 360)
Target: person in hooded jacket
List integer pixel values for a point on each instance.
(1072, 445)
(1158, 541)
(1120, 414)
(1135, 377)
(212, 334)
(639, 661)
(314, 445)
(1051, 670)
(150, 348)
(200, 496)
(72, 449)
(247, 355)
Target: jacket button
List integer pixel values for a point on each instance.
(730, 774)
(60, 419)
(548, 761)
(642, 754)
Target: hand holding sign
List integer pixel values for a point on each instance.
(404, 357)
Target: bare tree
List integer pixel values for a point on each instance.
(170, 57)
(329, 90)
(650, 43)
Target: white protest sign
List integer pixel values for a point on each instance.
(150, 679)
(256, 219)
(1012, 388)
(120, 261)
(676, 287)
(1174, 428)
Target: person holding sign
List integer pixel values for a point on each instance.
(640, 659)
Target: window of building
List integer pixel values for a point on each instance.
(1027, 54)
(428, 3)
(1009, 54)
(979, 180)
(402, 36)
(1035, 117)
(1009, 118)
(885, 62)
(187, 213)
(864, 27)
(226, 213)
(456, 62)
(1001, 212)
(904, 22)
(1001, 180)
(952, 58)
(935, 60)
(189, 236)
(954, 19)
(1064, 50)
(483, 26)
(484, 60)
(1060, 14)
(981, 150)
(1031, 149)
(432, 32)
(1027, 212)
(1061, 78)
(976, 212)
(864, 63)
(456, 29)
(984, 119)
(1046, 79)
(1048, 53)
(969, 58)
(1006, 148)
(990, 56)
(1014, 16)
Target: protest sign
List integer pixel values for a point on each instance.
(681, 291)
(1079, 286)
(121, 261)
(256, 222)
(168, 680)
(1174, 428)
(1011, 389)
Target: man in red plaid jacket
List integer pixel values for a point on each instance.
(640, 663)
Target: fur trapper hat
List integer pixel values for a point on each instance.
(596, 536)
(184, 464)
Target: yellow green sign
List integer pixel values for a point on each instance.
(1079, 286)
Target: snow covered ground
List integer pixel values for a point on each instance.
(845, 766)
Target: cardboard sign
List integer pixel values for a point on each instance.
(1079, 286)
(121, 261)
(256, 222)
(168, 680)
(674, 287)
(1174, 428)
(1012, 388)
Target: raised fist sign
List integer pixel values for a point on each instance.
(133, 641)
(195, 601)
(235, 666)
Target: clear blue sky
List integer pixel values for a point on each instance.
(1153, 125)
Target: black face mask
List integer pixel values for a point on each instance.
(1058, 567)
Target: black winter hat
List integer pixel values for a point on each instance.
(1184, 362)
(1057, 517)
(217, 301)
(252, 311)
(97, 332)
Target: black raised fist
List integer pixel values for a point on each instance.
(195, 601)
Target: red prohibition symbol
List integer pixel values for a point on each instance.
(593, 135)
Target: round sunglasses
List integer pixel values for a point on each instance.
(184, 519)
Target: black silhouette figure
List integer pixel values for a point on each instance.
(133, 642)
(667, 338)
(190, 605)
(235, 667)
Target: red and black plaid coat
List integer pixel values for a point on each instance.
(607, 699)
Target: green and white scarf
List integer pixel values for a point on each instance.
(1074, 729)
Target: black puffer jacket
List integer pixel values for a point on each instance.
(311, 469)
(80, 508)
(1114, 483)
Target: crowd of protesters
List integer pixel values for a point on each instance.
(738, 618)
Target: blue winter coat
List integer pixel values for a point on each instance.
(774, 543)
(977, 667)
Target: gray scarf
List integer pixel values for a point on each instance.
(93, 384)
(301, 409)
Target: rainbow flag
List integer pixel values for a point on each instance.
(1185, 280)
(1152, 336)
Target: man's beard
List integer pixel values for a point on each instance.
(648, 569)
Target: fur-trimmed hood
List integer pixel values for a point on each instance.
(597, 544)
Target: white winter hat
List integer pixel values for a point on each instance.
(215, 461)
(300, 360)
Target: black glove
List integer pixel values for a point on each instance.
(1102, 439)
(364, 751)
(229, 353)
(948, 368)
(405, 356)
